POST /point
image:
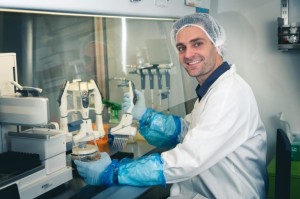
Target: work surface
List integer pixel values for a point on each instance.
(78, 189)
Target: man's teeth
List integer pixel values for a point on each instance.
(194, 62)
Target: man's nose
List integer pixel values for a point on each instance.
(189, 52)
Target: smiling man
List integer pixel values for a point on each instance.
(197, 54)
(219, 149)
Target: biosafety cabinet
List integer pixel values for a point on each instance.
(102, 40)
(107, 41)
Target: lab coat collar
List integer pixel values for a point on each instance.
(201, 90)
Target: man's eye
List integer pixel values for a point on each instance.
(197, 44)
(180, 48)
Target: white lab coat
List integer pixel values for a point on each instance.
(223, 149)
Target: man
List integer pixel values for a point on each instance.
(219, 148)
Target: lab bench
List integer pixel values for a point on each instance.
(78, 189)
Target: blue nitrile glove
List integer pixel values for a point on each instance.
(139, 107)
(91, 171)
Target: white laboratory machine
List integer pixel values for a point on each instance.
(76, 99)
(32, 156)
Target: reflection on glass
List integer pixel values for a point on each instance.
(124, 44)
(56, 48)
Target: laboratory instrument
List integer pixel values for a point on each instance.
(124, 130)
(32, 156)
(159, 71)
(159, 84)
(80, 97)
(26, 91)
(34, 159)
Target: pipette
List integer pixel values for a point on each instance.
(159, 84)
(142, 72)
(124, 129)
(168, 86)
(151, 78)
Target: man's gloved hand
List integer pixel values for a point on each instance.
(91, 171)
(140, 106)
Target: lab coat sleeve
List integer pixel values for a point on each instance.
(159, 129)
(221, 122)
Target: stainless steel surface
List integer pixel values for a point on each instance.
(139, 148)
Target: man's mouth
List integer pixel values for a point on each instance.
(194, 62)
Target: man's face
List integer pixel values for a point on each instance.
(197, 54)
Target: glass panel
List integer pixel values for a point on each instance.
(54, 48)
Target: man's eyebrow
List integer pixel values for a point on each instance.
(196, 39)
(179, 44)
(191, 41)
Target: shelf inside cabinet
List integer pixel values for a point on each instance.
(288, 34)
